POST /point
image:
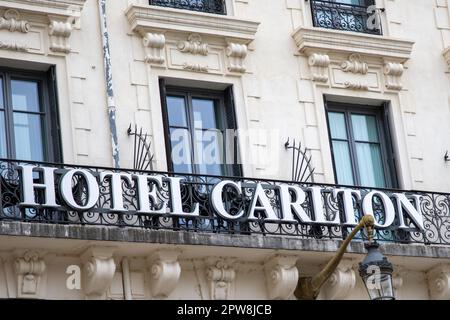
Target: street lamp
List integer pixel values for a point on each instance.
(376, 272)
(375, 269)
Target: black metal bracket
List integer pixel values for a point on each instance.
(447, 157)
(302, 169)
(143, 156)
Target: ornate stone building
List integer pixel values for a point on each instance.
(103, 194)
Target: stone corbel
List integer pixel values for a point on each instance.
(220, 275)
(319, 67)
(165, 272)
(193, 45)
(236, 54)
(11, 21)
(98, 271)
(439, 282)
(393, 72)
(59, 32)
(154, 44)
(355, 64)
(30, 270)
(341, 282)
(281, 276)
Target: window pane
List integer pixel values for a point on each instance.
(343, 163)
(365, 128)
(337, 125)
(209, 148)
(177, 111)
(2, 135)
(205, 115)
(28, 137)
(25, 95)
(181, 150)
(370, 165)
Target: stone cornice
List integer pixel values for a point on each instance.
(327, 41)
(60, 8)
(148, 19)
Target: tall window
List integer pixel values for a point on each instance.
(200, 128)
(209, 6)
(28, 128)
(361, 146)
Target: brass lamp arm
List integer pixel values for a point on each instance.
(309, 288)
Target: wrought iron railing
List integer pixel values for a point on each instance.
(209, 6)
(196, 189)
(347, 17)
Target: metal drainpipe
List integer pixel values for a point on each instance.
(126, 279)
(109, 82)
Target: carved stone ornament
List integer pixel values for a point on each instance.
(393, 72)
(220, 275)
(165, 271)
(196, 67)
(193, 45)
(319, 67)
(154, 44)
(439, 282)
(341, 282)
(355, 64)
(236, 54)
(281, 276)
(13, 46)
(11, 21)
(356, 85)
(98, 271)
(59, 32)
(30, 269)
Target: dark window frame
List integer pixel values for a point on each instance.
(384, 132)
(50, 124)
(227, 121)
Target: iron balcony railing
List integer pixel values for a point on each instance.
(196, 191)
(209, 6)
(347, 17)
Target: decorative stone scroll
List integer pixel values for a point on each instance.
(341, 282)
(193, 45)
(30, 269)
(393, 72)
(236, 54)
(154, 44)
(165, 272)
(281, 276)
(220, 275)
(11, 22)
(355, 64)
(98, 271)
(439, 282)
(59, 32)
(319, 67)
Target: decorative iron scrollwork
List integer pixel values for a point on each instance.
(210, 6)
(343, 16)
(196, 190)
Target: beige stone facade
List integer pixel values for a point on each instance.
(280, 68)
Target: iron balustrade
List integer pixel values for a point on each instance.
(347, 17)
(196, 189)
(209, 6)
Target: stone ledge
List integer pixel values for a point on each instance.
(115, 234)
(326, 41)
(63, 8)
(144, 19)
